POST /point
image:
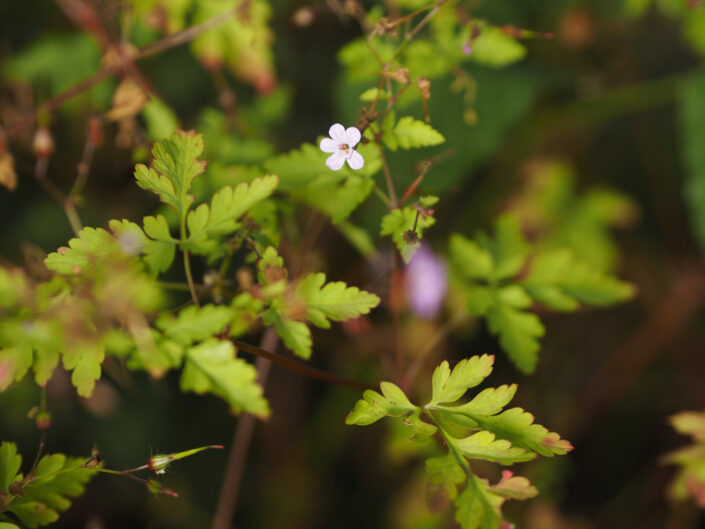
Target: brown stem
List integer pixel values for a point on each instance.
(303, 369)
(396, 293)
(388, 179)
(164, 44)
(67, 204)
(424, 169)
(84, 165)
(237, 457)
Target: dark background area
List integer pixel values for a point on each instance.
(603, 96)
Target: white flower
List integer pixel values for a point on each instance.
(342, 146)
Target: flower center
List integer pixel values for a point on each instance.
(344, 147)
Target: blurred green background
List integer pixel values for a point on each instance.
(616, 100)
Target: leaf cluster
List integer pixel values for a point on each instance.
(689, 481)
(288, 307)
(502, 278)
(479, 429)
(37, 498)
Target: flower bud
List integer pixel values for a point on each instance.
(159, 463)
(43, 420)
(43, 143)
(155, 487)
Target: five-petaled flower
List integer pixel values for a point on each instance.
(342, 146)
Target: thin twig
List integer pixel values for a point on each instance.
(189, 278)
(235, 467)
(410, 35)
(388, 179)
(424, 169)
(303, 369)
(395, 296)
(67, 204)
(149, 50)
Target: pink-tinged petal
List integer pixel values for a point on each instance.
(328, 145)
(353, 135)
(336, 160)
(355, 160)
(337, 132)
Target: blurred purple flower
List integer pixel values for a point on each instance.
(426, 283)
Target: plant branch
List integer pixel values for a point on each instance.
(424, 169)
(388, 179)
(149, 50)
(66, 203)
(235, 467)
(301, 368)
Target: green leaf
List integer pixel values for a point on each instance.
(14, 363)
(489, 401)
(503, 437)
(515, 425)
(518, 330)
(332, 301)
(446, 474)
(211, 367)
(410, 133)
(206, 223)
(194, 324)
(10, 463)
(484, 445)
(56, 479)
(450, 386)
(493, 47)
(295, 334)
(514, 487)
(43, 62)
(85, 361)
(423, 431)
(161, 249)
(562, 283)
(243, 44)
(476, 508)
(12, 286)
(399, 223)
(509, 249)
(374, 93)
(492, 258)
(176, 164)
(298, 168)
(474, 261)
(303, 172)
(91, 245)
(373, 406)
(160, 119)
(335, 199)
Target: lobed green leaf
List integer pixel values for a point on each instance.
(212, 367)
(332, 301)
